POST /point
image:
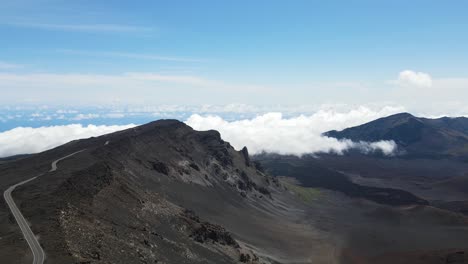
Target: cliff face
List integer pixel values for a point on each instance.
(152, 194)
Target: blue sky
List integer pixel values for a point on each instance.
(316, 40)
(222, 52)
(314, 65)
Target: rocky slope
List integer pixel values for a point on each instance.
(164, 193)
(159, 193)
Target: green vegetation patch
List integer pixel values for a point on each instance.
(306, 194)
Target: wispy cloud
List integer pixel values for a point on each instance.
(128, 87)
(125, 79)
(182, 79)
(9, 66)
(128, 55)
(93, 28)
(130, 79)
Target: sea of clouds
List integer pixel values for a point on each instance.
(299, 135)
(27, 140)
(267, 132)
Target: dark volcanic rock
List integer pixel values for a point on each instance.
(194, 166)
(109, 205)
(245, 153)
(207, 232)
(214, 233)
(264, 190)
(160, 167)
(457, 257)
(310, 173)
(418, 137)
(88, 182)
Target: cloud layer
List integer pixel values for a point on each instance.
(298, 135)
(270, 132)
(161, 87)
(25, 140)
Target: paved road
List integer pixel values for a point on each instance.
(38, 252)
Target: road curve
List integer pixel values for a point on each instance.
(37, 251)
(54, 164)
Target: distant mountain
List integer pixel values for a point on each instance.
(415, 137)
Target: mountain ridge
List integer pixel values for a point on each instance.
(415, 137)
(161, 185)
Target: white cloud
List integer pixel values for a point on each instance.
(24, 140)
(85, 116)
(412, 78)
(298, 135)
(36, 114)
(65, 111)
(114, 115)
(388, 147)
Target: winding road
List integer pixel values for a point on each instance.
(37, 251)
